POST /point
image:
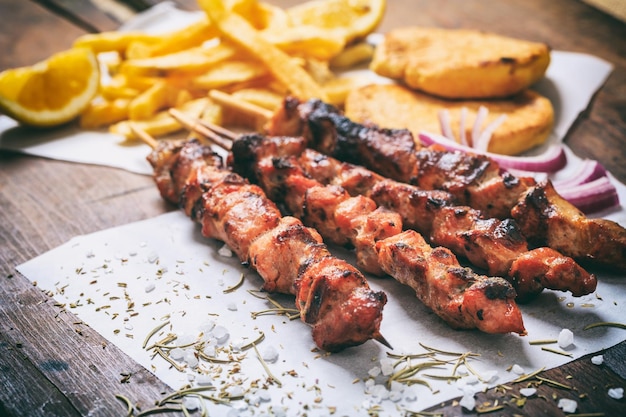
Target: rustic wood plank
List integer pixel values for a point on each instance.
(587, 385)
(52, 363)
(25, 47)
(84, 14)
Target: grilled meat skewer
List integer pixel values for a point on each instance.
(299, 175)
(459, 296)
(544, 217)
(332, 296)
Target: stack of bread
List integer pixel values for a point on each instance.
(458, 71)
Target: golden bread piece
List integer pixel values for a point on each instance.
(529, 116)
(457, 63)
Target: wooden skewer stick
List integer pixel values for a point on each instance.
(143, 136)
(194, 124)
(245, 107)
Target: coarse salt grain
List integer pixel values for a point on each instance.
(270, 354)
(616, 393)
(468, 402)
(153, 257)
(386, 366)
(374, 372)
(150, 287)
(518, 370)
(191, 403)
(221, 334)
(177, 354)
(204, 380)
(225, 251)
(597, 360)
(567, 405)
(232, 307)
(566, 338)
(528, 392)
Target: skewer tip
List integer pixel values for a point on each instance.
(144, 136)
(381, 339)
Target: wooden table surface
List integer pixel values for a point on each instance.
(51, 364)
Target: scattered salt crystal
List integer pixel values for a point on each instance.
(232, 307)
(395, 396)
(489, 376)
(221, 334)
(237, 344)
(462, 370)
(471, 380)
(518, 370)
(191, 359)
(567, 405)
(235, 391)
(369, 383)
(143, 244)
(374, 372)
(468, 402)
(616, 393)
(191, 403)
(191, 377)
(386, 366)
(153, 257)
(132, 253)
(186, 339)
(209, 350)
(128, 326)
(396, 386)
(90, 254)
(220, 282)
(528, 392)
(150, 287)
(225, 251)
(177, 354)
(380, 391)
(410, 394)
(566, 338)
(270, 354)
(204, 380)
(597, 360)
(264, 395)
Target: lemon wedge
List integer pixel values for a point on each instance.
(51, 92)
(357, 18)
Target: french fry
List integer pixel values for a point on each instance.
(192, 60)
(162, 123)
(307, 41)
(102, 113)
(113, 41)
(158, 97)
(229, 72)
(262, 97)
(188, 37)
(281, 65)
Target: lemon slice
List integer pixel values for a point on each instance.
(357, 18)
(51, 92)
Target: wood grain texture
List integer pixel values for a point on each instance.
(53, 365)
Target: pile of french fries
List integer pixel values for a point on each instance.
(247, 48)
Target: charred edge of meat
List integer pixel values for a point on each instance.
(245, 148)
(461, 169)
(333, 133)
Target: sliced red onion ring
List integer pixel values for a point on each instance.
(552, 160)
(588, 170)
(590, 197)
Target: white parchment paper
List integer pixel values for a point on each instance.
(127, 281)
